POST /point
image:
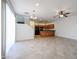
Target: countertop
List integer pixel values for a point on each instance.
(49, 30)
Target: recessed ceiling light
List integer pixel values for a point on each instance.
(37, 4)
(33, 17)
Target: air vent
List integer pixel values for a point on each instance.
(26, 12)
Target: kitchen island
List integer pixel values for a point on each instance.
(47, 33)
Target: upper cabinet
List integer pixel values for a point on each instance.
(49, 26)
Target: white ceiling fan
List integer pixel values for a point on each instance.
(61, 14)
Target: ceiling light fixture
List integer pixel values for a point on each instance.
(33, 16)
(61, 16)
(37, 4)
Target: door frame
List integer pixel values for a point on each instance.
(3, 28)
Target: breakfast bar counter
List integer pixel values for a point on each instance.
(47, 33)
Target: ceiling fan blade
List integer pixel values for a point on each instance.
(65, 15)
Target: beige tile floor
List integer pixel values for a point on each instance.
(44, 48)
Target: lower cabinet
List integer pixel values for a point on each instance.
(47, 33)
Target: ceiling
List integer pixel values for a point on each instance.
(45, 10)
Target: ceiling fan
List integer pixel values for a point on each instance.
(62, 14)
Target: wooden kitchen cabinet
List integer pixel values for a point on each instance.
(47, 33)
(45, 30)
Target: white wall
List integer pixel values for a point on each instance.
(66, 27)
(24, 32)
(10, 29)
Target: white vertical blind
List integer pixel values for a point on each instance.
(0, 29)
(10, 28)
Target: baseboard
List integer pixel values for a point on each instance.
(23, 40)
(65, 37)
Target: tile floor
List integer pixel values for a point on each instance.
(44, 48)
